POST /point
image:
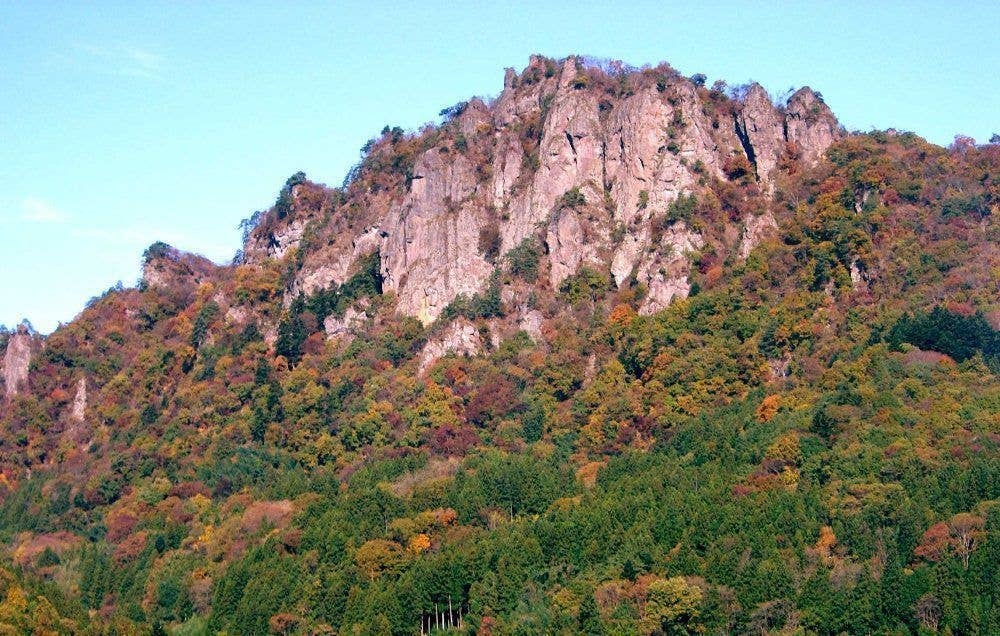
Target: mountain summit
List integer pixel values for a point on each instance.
(583, 158)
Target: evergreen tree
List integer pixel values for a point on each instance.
(589, 617)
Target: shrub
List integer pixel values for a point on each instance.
(47, 558)
(737, 166)
(292, 332)
(682, 208)
(159, 249)
(204, 318)
(489, 241)
(524, 258)
(486, 304)
(366, 282)
(643, 199)
(573, 198)
(453, 111)
(283, 206)
(588, 283)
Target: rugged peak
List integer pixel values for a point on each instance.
(805, 97)
(474, 118)
(167, 267)
(16, 361)
(272, 233)
(810, 124)
(757, 96)
(567, 73)
(580, 156)
(509, 77)
(522, 93)
(537, 60)
(803, 131)
(761, 130)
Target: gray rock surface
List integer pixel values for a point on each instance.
(16, 362)
(631, 154)
(460, 337)
(810, 124)
(78, 408)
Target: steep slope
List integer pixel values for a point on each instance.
(16, 362)
(586, 159)
(611, 353)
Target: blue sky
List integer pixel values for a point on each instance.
(125, 123)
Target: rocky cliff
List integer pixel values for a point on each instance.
(587, 158)
(16, 362)
(637, 176)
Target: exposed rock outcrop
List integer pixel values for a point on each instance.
(571, 242)
(168, 268)
(530, 321)
(804, 130)
(16, 362)
(460, 337)
(497, 172)
(810, 124)
(523, 94)
(662, 266)
(665, 267)
(301, 204)
(343, 327)
(651, 144)
(754, 231)
(760, 127)
(571, 153)
(475, 118)
(333, 266)
(78, 408)
(76, 431)
(430, 252)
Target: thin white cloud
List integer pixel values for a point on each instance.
(36, 210)
(129, 61)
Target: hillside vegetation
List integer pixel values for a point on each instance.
(802, 439)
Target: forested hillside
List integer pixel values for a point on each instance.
(614, 353)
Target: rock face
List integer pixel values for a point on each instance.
(564, 154)
(169, 268)
(430, 252)
(460, 337)
(755, 230)
(810, 124)
(275, 238)
(570, 243)
(804, 130)
(652, 141)
(661, 263)
(76, 431)
(16, 361)
(333, 267)
(78, 408)
(530, 322)
(761, 129)
(344, 326)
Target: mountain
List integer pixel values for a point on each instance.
(614, 352)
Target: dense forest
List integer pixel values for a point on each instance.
(805, 444)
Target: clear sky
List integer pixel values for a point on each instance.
(122, 123)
